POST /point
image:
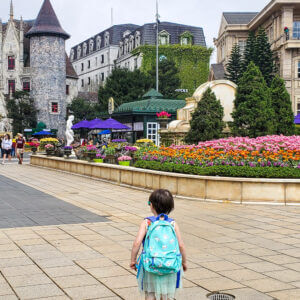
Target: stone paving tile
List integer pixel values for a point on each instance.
(286, 295)
(267, 285)
(9, 297)
(238, 248)
(38, 291)
(89, 292)
(27, 280)
(5, 289)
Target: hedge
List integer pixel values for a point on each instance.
(224, 171)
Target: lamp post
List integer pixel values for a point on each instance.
(157, 23)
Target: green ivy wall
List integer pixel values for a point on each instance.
(191, 61)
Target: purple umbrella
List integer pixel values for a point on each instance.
(113, 124)
(96, 124)
(297, 119)
(81, 124)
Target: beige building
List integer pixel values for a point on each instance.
(275, 17)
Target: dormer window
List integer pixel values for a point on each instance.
(186, 38)
(91, 45)
(11, 63)
(72, 55)
(137, 39)
(126, 46)
(78, 52)
(131, 43)
(106, 39)
(98, 42)
(164, 38)
(121, 48)
(84, 49)
(125, 33)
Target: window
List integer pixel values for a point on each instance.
(98, 42)
(54, 107)
(11, 63)
(82, 82)
(106, 41)
(102, 76)
(67, 89)
(96, 61)
(84, 49)
(164, 38)
(296, 30)
(185, 41)
(102, 59)
(298, 69)
(91, 45)
(271, 35)
(11, 86)
(186, 38)
(135, 63)
(26, 86)
(78, 52)
(89, 80)
(137, 39)
(89, 64)
(242, 46)
(152, 132)
(82, 67)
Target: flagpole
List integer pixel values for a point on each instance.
(157, 22)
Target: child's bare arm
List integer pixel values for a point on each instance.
(137, 244)
(181, 247)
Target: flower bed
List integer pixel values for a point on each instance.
(267, 151)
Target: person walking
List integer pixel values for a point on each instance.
(20, 145)
(6, 148)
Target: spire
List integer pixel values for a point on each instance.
(47, 23)
(11, 13)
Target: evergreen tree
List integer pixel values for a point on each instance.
(168, 78)
(234, 66)
(249, 53)
(207, 120)
(264, 56)
(253, 113)
(22, 111)
(83, 110)
(282, 106)
(124, 86)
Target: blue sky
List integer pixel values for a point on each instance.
(84, 18)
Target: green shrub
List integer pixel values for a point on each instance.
(224, 171)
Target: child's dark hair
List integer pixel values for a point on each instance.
(162, 201)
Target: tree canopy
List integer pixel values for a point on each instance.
(234, 66)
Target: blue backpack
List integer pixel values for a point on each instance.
(161, 254)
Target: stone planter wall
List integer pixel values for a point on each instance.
(241, 190)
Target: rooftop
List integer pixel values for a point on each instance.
(47, 23)
(235, 18)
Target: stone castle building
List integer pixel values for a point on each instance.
(274, 18)
(95, 58)
(33, 59)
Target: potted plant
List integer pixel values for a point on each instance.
(99, 158)
(68, 151)
(124, 160)
(34, 147)
(91, 152)
(49, 149)
(163, 119)
(110, 154)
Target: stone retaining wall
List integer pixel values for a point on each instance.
(241, 190)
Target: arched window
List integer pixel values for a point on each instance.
(126, 46)
(186, 38)
(98, 42)
(131, 43)
(137, 39)
(78, 52)
(91, 45)
(84, 49)
(121, 48)
(106, 39)
(72, 55)
(164, 38)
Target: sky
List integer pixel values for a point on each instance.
(85, 18)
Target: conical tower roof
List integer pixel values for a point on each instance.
(47, 23)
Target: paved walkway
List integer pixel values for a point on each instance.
(252, 252)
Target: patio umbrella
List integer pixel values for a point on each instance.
(104, 132)
(43, 133)
(297, 119)
(113, 124)
(96, 124)
(81, 124)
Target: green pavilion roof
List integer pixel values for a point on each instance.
(152, 102)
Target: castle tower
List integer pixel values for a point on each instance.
(48, 68)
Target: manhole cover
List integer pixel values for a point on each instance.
(220, 296)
